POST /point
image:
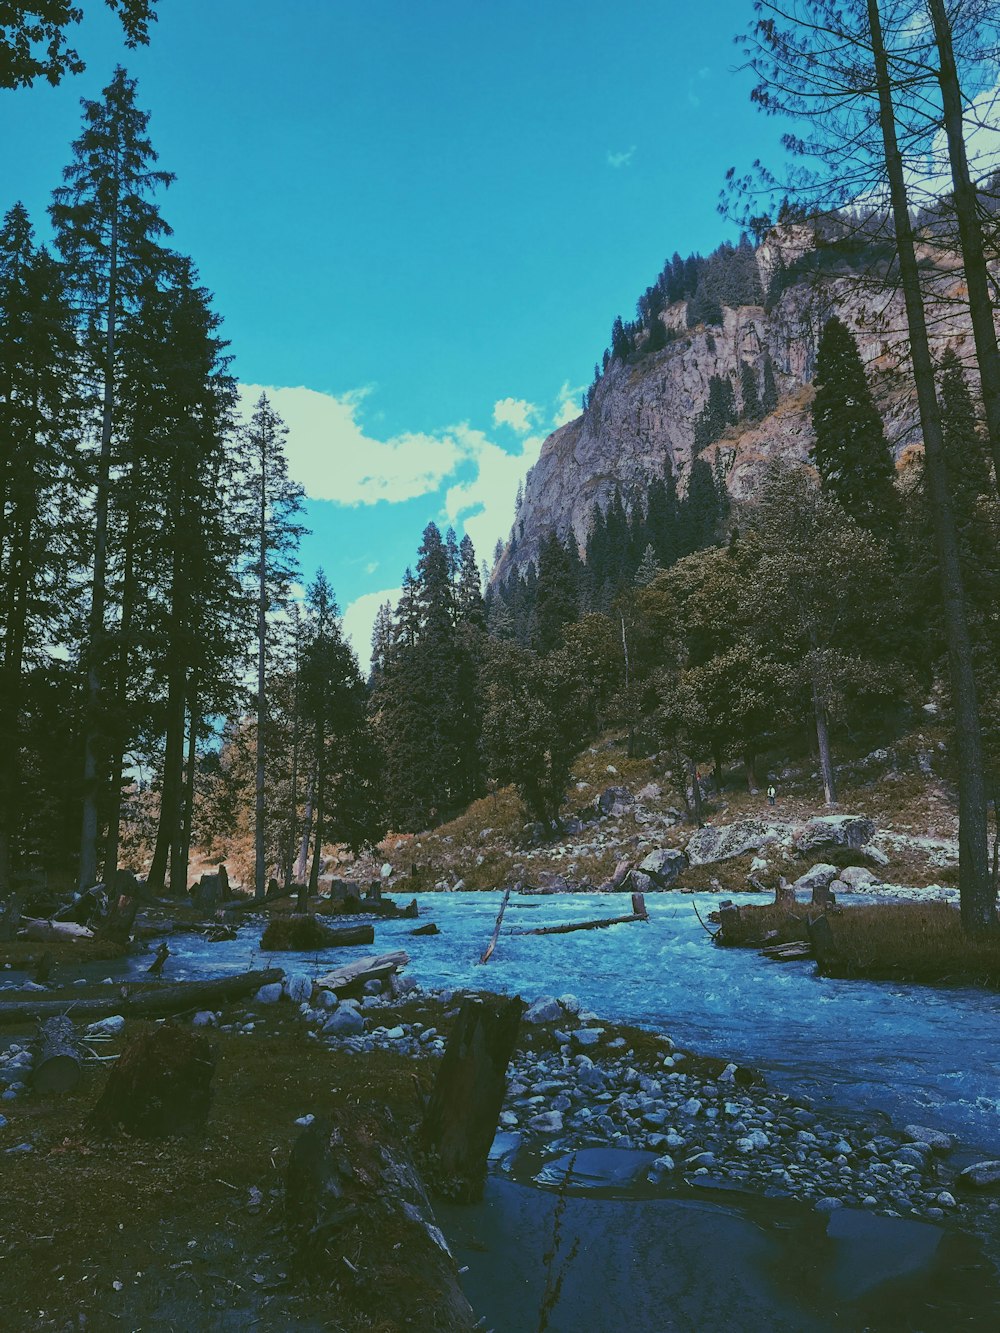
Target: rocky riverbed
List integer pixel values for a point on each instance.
(578, 1083)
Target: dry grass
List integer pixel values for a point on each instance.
(885, 941)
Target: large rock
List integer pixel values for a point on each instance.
(344, 1022)
(981, 1175)
(663, 866)
(818, 878)
(728, 840)
(546, 1009)
(827, 831)
(858, 877)
(615, 801)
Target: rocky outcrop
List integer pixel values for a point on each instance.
(728, 840)
(641, 416)
(825, 831)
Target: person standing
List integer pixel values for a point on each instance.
(772, 793)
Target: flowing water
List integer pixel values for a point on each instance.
(918, 1053)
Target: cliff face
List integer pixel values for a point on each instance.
(642, 415)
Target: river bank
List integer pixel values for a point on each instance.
(599, 1116)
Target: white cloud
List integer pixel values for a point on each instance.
(359, 618)
(617, 160)
(567, 405)
(371, 567)
(484, 504)
(516, 413)
(333, 457)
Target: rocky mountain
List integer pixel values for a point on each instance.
(642, 410)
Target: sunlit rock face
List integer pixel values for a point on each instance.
(642, 415)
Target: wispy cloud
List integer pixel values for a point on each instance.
(516, 413)
(359, 620)
(618, 160)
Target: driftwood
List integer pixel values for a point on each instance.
(461, 1116)
(376, 967)
(58, 1064)
(154, 1002)
(358, 1220)
(787, 953)
(161, 1085)
(156, 966)
(302, 931)
(46, 931)
(638, 913)
(488, 954)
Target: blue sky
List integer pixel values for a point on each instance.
(419, 221)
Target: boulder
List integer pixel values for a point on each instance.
(615, 801)
(663, 866)
(819, 877)
(547, 1122)
(825, 831)
(546, 1009)
(934, 1138)
(344, 1022)
(981, 1175)
(858, 877)
(651, 792)
(270, 994)
(728, 840)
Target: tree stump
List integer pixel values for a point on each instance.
(58, 1065)
(784, 894)
(124, 905)
(358, 1219)
(161, 1085)
(162, 954)
(821, 938)
(461, 1116)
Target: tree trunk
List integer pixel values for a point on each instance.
(302, 862)
(58, 1064)
(977, 902)
(350, 1184)
(170, 792)
(695, 792)
(161, 1085)
(823, 745)
(461, 1116)
(750, 768)
(260, 870)
(87, 870)
(320, 815)
(970, 230)
(176, 998)
(117, 764)
(187, 810)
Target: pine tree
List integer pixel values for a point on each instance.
(966, 452)
(273, 514)
(558, 597)
(108, 232)
(346, 768)
(752, 406)
(39, 500)
(33, 41)
(851, 453)
(648, 569)
(769, 394)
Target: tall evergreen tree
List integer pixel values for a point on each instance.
(769, 392)
(39, 501)
(752, 407)
(851, 453)
(558, 599)
(275, 502)
(109, 232)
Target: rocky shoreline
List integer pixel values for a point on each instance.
(577, 1082)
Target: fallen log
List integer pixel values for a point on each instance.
(305, 932)
(161, 1085)
(58, 1064)
(461, 1116)
(487, 955)
(44, 932)
(359, 1221)
(379, 967)
(153, 1002)
(785, 953)
(640, 915)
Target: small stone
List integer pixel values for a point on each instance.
(587, 1036)
(204, 1019)
(269, 994)
(109, 1026)
(934, 1138)
(508, 1120)
(305, 1120)
(298, 987)
(946, 1200)
(345, 1022)
(395, 1034)
(691, 1107)
(661, 1167)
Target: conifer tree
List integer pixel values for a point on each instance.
(558, 601)
(274, 505)
(769, 393)
(39, 500)
(850, 451)
(752, 406)
(108, 231)
(648, 569)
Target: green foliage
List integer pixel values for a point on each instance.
(33, 38)
(851, 453)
